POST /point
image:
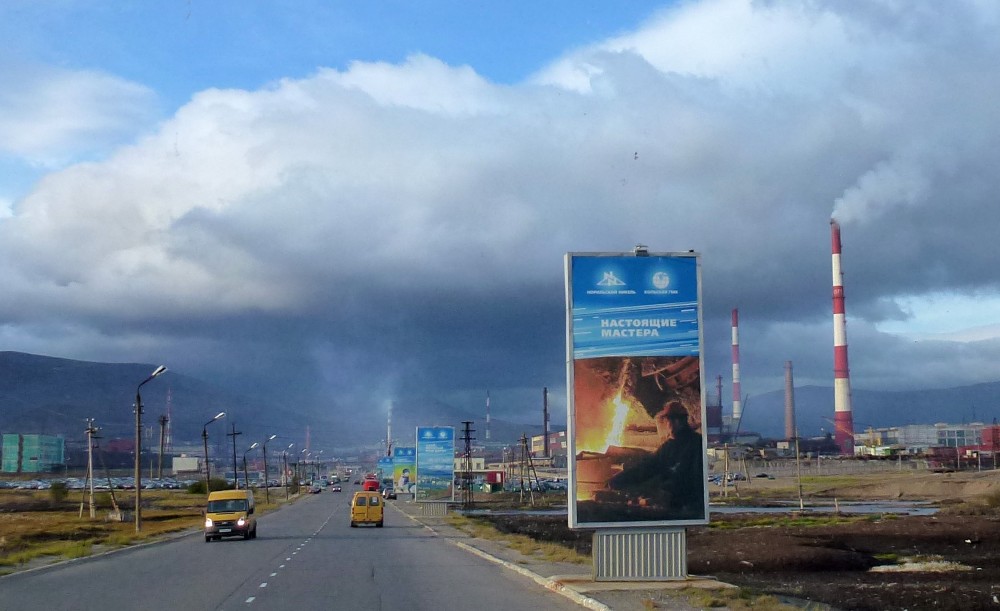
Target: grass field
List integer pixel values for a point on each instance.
(35, 527)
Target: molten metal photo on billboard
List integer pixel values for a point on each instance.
(635, 391)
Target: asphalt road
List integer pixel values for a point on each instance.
(305, 557)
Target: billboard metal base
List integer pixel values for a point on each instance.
(434, 510)
(640, 554)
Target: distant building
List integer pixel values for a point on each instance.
(186, 464)
(32, 453)
(557, 444)
(917, 438)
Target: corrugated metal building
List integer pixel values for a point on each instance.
(32, 453)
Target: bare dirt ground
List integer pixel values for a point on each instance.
(950, 560)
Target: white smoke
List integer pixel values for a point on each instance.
(889, 184)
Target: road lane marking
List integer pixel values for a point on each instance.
(263, 585)
(251, 599)
(273, 574)
(281, 566)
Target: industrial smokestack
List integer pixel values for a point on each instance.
(842, 417)
(487, 415)
(388, 432)
(789, 402)
(545, 420)
(737, 403)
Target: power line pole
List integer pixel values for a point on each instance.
(90, 431)
(163, 426)
(467, 496)
(236, 473)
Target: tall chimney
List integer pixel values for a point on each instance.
(545, 420)
(737, 403)
(388, 432)
(789, 403)
(842, 417)
(487, 415)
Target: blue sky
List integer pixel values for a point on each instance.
(364, 202)
(178, 48)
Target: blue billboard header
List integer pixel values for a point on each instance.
(637, 306)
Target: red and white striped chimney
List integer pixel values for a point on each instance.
(842, 418)
(737, 403)
(790, 432)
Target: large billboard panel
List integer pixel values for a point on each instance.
(435, 463)
(636, 390)
(404, 469)
(384, 469)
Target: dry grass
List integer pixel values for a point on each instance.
(34, 528)
(550, 552)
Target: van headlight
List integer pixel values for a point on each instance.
(208, 522)
(241, 522)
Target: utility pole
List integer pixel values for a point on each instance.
(467, 496)
(527, 469)
(90, 431)
(236, 473)
(163, 426)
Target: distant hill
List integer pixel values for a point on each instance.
(55, 396)
(765, 413)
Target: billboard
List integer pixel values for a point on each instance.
(435, 463)
(384, 469)
(404, 469)
(635, 390)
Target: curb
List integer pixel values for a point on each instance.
(546, 582)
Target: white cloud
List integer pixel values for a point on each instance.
(54, 115)
(422, 197)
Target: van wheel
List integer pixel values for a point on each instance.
(247, 535)
(379, 524)
(254, 535)
(207, 538)
(353, 524)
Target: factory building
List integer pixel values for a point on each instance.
(32, 453)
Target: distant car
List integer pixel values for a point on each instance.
(357, 482)
(335, 488)
(389, 492)
(315, 490)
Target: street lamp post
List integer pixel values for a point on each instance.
(267, 497)
(204, 439)
(138, 446)
(284, 467)
(246, 476)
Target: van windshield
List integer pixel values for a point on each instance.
(227, 506)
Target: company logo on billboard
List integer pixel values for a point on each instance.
(610, 279)
(609, 286)
(661, 280)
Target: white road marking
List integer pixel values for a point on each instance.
(263, 585)
(251, 599)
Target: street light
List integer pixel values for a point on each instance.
(246, 478)
(267, 497)
(204, 439)
(284, 467)
(138, 446)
